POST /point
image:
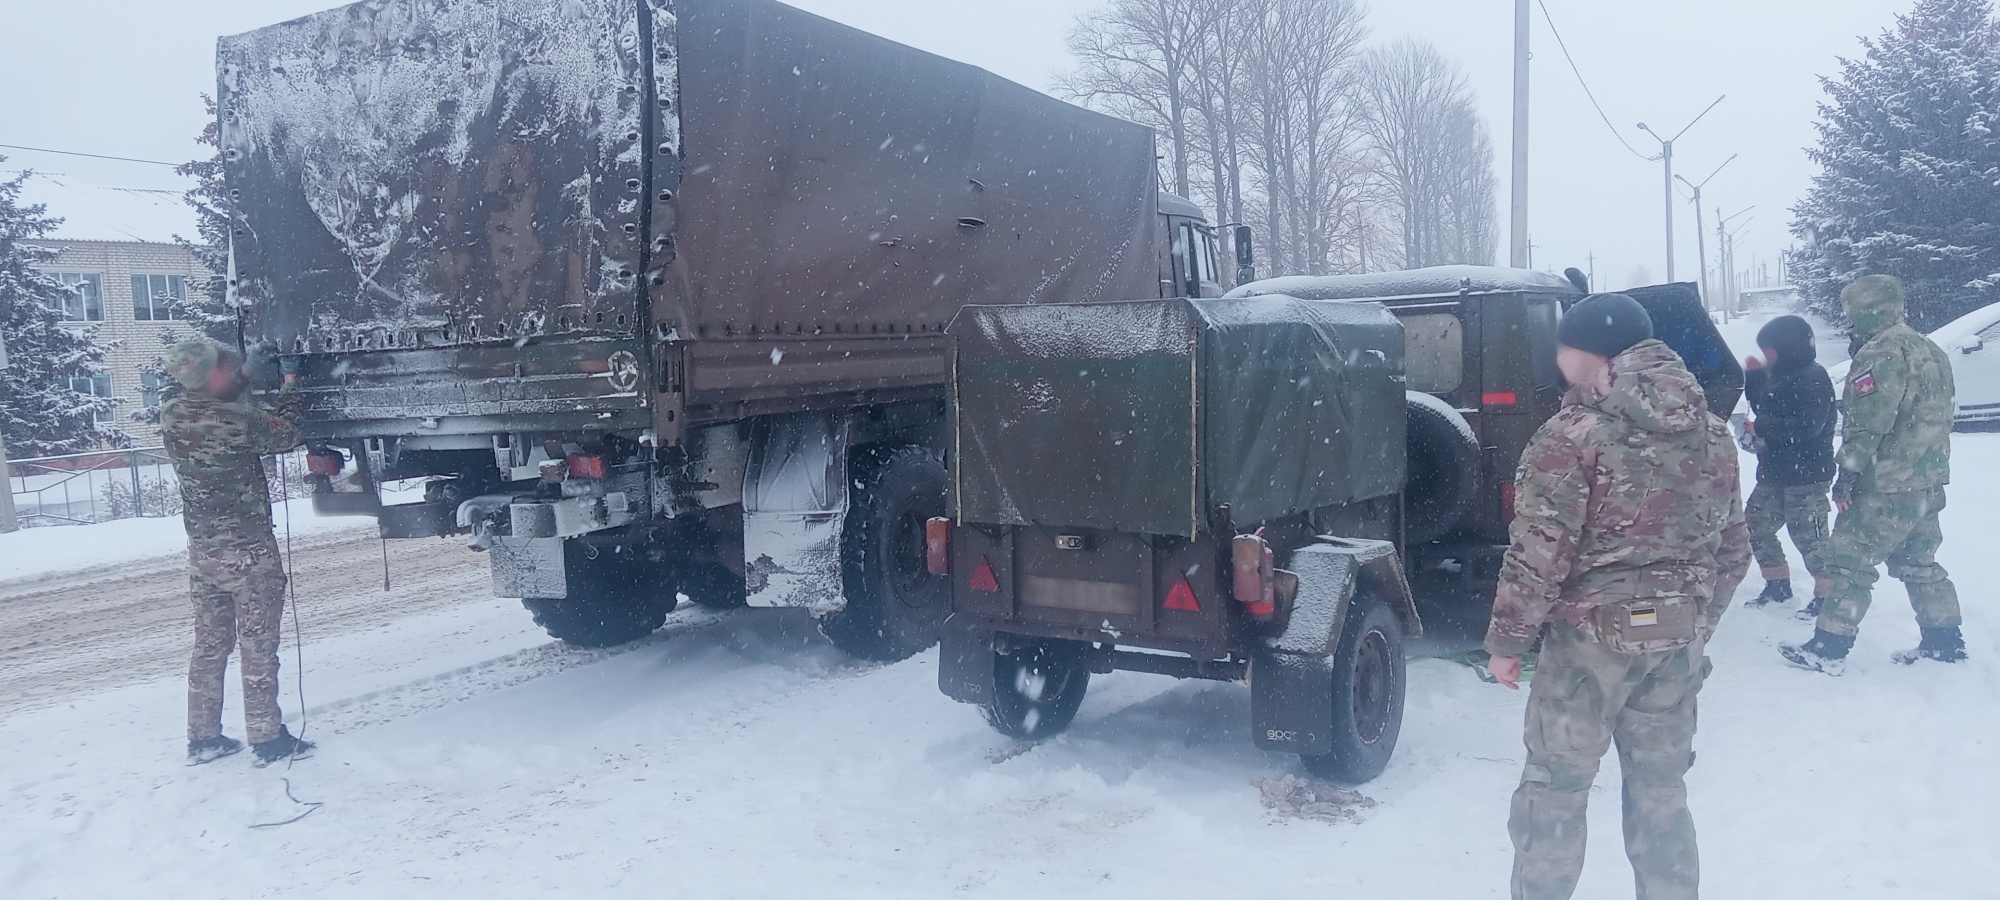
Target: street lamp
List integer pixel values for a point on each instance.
(1667, 156)
(1700, 238)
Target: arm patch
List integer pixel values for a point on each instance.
(1864, 383)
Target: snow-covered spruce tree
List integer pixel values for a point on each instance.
(1909, 156)
(42, 414)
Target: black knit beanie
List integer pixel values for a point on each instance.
(1605, 324)
(1792, 337)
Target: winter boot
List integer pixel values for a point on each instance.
(208, 750)
(1774, 592)
(1945, 645)
(1824, 653)
(284, 746)
(1811, 612)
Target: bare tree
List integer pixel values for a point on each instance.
(1436, 154)
(1136, 57)
(1270, 112)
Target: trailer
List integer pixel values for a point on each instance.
(653, 294)
(1198, 488)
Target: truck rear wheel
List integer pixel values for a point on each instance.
(895, 607)
(613, 599)
(1037, 689)
(1369, 681)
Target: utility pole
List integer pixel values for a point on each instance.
(1592, 258)
(1517, 228)
(1700, 237)
(1727, 265)
(1667, 156)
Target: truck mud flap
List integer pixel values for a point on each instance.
(1291, 676)
(965, 664)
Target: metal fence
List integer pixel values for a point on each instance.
(81, 488)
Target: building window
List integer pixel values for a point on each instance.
(157, 298)
(149, 389)
(98, 385)
(84, 301)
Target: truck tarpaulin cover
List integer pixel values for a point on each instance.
(447, 172)
(1144, 416)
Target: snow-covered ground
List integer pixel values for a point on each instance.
(738, 756)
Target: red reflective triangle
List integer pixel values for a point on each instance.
(982, 578)
(1182, 597)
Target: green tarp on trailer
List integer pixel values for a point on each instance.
(1148, 416)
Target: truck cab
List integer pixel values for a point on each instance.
(1189, 266)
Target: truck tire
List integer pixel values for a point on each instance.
(1443, 459)
(612, 600)
(895, 607)
(1037, 689)
(1369, 681)
(713, 586)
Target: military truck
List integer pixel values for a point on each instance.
(1198, 488)
(652, 294)
(1480, 346)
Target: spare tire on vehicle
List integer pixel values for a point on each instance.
(1443, 456)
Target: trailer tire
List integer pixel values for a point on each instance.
(611, 601)
(1443, 459)
(1369, 681)
(1037, 689)
(895, 607)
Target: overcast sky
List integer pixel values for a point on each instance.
(122, 78)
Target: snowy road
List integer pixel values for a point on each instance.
(103, 627)
(463, 755)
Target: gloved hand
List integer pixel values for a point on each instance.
(1843, 490)
(261, 364)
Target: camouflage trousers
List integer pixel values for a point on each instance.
(1900, 528)
(239, 601)
(1803, 510)
(1585, 697)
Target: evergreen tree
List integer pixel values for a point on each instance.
(42, 414)
(1909, 156)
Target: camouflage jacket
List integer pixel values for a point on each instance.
(1630, 491)
(218, 448)
(1899, 404)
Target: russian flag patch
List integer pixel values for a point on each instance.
(1864, 383)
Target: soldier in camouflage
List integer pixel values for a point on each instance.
(217, 437)
(1628, 543)
(1895, 460)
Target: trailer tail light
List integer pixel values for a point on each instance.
(1499, 398)
(1252, 582)
(583, 465)
(983, 579)
(1182, 597)
(937, 546)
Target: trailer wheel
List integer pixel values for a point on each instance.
(1369, 681)
(1037, 689)
(895, 607)
(612, 600)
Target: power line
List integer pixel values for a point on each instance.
(150, 162)
(1586, 85)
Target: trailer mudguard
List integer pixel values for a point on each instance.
(1291, 676)
(965, 663)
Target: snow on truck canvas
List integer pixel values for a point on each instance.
(1056, 448)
